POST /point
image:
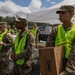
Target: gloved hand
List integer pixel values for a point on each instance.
(13, 56)
(18, 56)
(25, 55)
(21, 55)
(28, 63)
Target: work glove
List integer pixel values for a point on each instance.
(18, 56)
(21, 55)
(13, 56)
(26, 54)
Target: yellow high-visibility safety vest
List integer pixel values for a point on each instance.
(34, 31)
(65, 38)
(1, 37)
(19, 47)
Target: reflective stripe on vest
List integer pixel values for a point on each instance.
(19, 47)
(1, 37)
(65, 38)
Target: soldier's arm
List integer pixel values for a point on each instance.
(8, 40)
(51, 38)
(30, 41)
(29, 45)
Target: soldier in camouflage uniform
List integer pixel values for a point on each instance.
(22, 51)
(36, 33)
(6, 42)
(65, 12)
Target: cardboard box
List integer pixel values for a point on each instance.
(51, 60)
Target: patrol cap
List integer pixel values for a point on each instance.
(3, 23)
(21, 20)
(68, 8)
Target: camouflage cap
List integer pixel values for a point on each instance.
(68, 8)
(21, 20)
(3, 23)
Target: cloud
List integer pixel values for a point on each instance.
(9, 8)
(35, 5)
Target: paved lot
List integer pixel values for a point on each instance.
(36, 71)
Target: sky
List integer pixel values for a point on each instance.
(22, 7)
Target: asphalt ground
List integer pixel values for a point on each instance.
(36, 70)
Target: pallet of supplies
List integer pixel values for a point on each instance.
(51, 62)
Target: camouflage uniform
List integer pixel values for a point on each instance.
(69, 63)
(36, 33)
(24, 69)
(4, 54)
